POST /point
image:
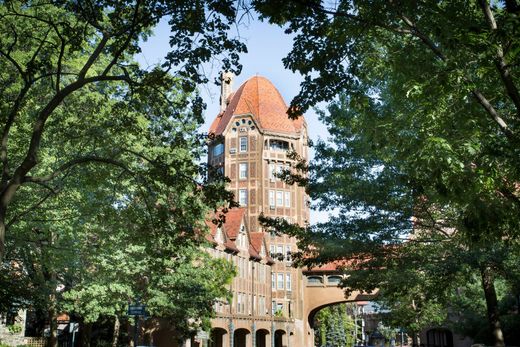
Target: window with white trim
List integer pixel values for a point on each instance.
(243, 144)
(279, 198)
(287, 199)
(242, 197)
(242, 172)
(288, 285)
(272, 170)
(271, 198)
(280, 281)
(273, 281)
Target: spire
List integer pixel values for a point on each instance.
(226, 88)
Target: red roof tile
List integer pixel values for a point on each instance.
(259, 97)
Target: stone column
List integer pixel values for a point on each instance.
(231, 334)
(272, 334)
(253, 334)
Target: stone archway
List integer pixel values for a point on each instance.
(262, 338)
(218, 337)
(241, 338)
(280, 338)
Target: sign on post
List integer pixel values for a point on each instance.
(136, 310)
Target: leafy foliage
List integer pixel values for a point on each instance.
(422, 165)
(102, 198)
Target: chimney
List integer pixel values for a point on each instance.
(226, 88)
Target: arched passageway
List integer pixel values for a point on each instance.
(439, 337)
(217, 337)
(262, 338)
(241, 338)
(280, 338)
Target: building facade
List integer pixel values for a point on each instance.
(252, 136)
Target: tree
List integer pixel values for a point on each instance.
(100, 176)
(52, 51)
(427, 126)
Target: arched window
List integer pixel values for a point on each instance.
(334, 280)
(314, 280)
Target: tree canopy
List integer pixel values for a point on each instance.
(424, 136)
(102, 196)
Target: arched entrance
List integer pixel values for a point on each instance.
(240, 338)
(217, 337)
(280, 338)
(439, 337)
(262, 338)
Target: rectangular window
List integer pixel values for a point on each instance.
(272, 249)
(279, 169)
(280, 249)
(243, 144)
(272, 170)
(242, 172)
(280, 281)
(279, 307)
(287, 199)
(218, 149)
(273, 306)
(288, 282)
(271, 198)
(242, 197)
(279, 198)
(273, 280)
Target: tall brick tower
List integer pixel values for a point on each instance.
(254, 135)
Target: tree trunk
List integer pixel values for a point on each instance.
(415, 339)
(53, 341)
(87, 329)
(117, 325)
(488, 284)
(2, 234)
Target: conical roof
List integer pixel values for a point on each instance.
(259, 97)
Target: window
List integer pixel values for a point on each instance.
(273, 280)
(271, 198)
(288, 253)
(287, 199)
(239, 303)
(243, 144)
(278, 145)
(334, 280)
(280, 281)
(279, 307)
(280, 249)
(279, 198)
(314, 280)
(218, 149)
(272, 170)
(242, 197)
(288, 282)
(242, 173)
(273, 306)
(272, 249)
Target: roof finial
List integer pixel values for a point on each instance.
(226, 88)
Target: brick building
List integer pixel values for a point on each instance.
(253, 137)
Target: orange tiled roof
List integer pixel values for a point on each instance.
(259, 97)
(233, 221)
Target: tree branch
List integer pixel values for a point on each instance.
(68, 165)
(500, 63)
